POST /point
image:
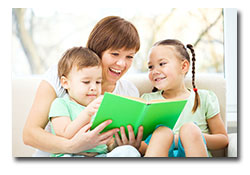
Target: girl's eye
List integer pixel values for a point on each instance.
(150, 67)
(98, 82)
(162, 64)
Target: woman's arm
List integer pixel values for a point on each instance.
(34, 134)
(218, 138)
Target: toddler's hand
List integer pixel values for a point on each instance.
(93, 107)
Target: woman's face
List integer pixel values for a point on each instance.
(115, 63)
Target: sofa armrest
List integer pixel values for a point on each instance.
(232, 145)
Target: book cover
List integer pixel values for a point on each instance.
(125, 111)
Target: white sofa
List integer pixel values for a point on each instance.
(24, 89)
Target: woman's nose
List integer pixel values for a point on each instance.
(121, 62)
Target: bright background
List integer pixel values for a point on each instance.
(40, 36)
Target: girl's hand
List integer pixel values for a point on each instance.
(136, 142)
(84, 140)
(93, 107)
(176, 139)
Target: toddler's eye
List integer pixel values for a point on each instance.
(86, 82)
(130, 57)
(98, 82)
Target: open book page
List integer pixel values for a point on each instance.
(164, 100)
(134, 98)
(150, 102)
(125, 111)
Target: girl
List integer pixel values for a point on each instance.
(115, 41)
(200, 126)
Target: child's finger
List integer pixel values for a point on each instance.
(86, 128)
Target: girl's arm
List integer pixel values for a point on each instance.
(64, 127)
(34, 134)
(218, 138)
(143, 148)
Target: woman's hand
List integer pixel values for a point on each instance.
(84, 140)
(136, 142)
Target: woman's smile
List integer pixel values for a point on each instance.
(116, 72)
(115, 63)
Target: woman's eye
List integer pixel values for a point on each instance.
(115, 54)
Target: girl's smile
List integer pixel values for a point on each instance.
(159, 79)
(165, 68)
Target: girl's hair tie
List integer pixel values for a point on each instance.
(195, 89)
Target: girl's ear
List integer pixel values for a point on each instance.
(185, 66)
(64, 82)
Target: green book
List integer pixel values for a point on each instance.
(125, 111)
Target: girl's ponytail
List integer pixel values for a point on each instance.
(183, 52)
(197, 98)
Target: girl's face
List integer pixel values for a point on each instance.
(115, 63)
(166, 70)
(83, 85)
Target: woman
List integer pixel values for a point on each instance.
(115, 41)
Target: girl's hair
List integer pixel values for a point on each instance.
(113, 32)
(80, 57)
(183, 54)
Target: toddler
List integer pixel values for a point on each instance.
(80, 74)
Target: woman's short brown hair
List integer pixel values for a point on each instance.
(80, 57)
(113, 32)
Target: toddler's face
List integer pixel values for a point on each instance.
(84, 85)
(165, 67)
